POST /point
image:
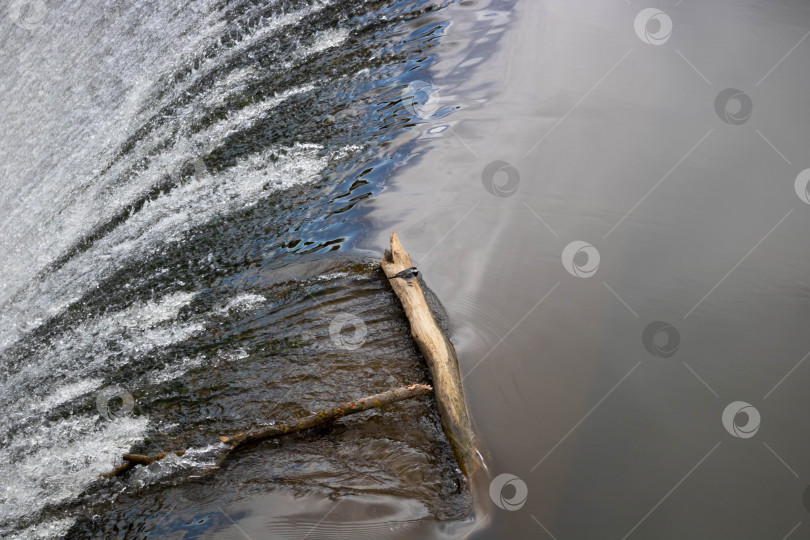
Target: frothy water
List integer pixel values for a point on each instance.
(162, 166)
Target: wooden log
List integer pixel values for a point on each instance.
(326, 415)
(441, 359)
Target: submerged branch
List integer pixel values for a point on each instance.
(260, 434)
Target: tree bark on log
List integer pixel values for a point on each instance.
(327, 415)
(441, 359)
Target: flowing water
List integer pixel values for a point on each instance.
(608, 198)
(175, 178)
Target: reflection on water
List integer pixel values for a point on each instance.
(608, 198)
(167, 171)
(620, 247)
(284, 350)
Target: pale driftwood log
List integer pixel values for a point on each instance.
(441, 360)
(326, 415)
(259, 434)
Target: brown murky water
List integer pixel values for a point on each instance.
(609, 200)
(626, 142)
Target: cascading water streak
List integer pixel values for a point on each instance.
(162, 165)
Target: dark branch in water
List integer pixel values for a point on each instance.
(130, 460)
(326, 415)
(260, 434)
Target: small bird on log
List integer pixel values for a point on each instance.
(407, 274)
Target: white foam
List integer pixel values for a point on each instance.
(327, 39)
(243, 302)
(247, 117)
(58, 461)
(173, 372)
(161, 221)
(45, 531)
(67, 393)
(56, 191)
(193, 458)
(35, 234)
(148, 315)
(78, 355)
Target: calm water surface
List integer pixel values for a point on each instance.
(603, 388)
(608, 201)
